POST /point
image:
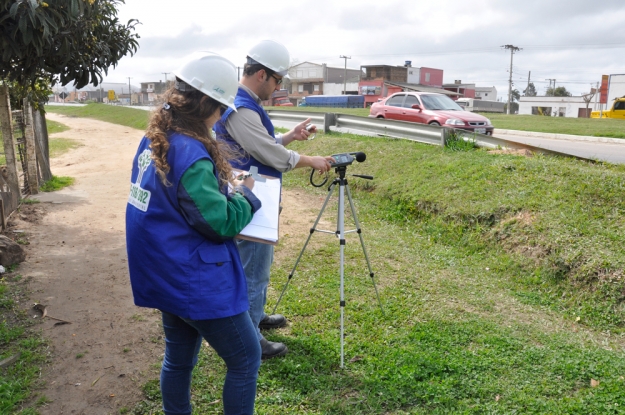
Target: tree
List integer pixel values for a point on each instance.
(514, 105)
(588, 98)
(516, 95)
(558, 92)
(36, 93)
(74, 40)
(530, 91)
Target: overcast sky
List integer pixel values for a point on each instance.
(572, 41)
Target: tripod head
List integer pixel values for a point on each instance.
(342, 160)
(345, 159)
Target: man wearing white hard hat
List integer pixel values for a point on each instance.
(249, 129)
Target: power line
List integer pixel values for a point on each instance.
(129, 92)
(491, 49)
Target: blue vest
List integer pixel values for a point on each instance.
(245, 100)
(173, 268)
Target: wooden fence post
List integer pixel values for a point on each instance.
(31, 152)
(9, 143)
(41, 141)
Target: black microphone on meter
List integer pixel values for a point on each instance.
(345, 159)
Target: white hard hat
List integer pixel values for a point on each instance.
(271, 54)
(211, 74)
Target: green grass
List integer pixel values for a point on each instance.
(502, 281)
(56, 183)
(555, 125)
(58, 146)
(128, 117)
(55, 127)
(18, 337)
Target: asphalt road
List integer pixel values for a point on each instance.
(609, 152)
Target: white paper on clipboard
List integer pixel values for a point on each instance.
(264, 225)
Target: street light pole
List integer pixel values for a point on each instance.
(345, 72)
(129, 92)
(512, 50)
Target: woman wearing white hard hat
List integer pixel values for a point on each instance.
(180, 224)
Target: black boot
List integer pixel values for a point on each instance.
(273, 321)
(272, 349)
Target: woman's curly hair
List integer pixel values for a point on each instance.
(186, 112)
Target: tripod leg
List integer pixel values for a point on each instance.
(312, 230)
(341, 231)
(362, 242)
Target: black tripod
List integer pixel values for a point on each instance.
(340, 233)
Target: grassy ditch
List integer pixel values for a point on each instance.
(501, 278)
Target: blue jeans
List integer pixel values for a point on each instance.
(232, 338)
(256, 259)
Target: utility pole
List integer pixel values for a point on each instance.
(512, 50)
(129, 92)
(345, 72)
(529, 74)
(553, 91)
(165, 73)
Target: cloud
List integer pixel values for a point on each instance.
(463, 38)
(191, 39)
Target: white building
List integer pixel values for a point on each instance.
(573, 107)
(616, 88)
(486, 93)
(309, 78)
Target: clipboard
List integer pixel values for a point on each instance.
(264, 225)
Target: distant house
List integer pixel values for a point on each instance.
(616, 88)
(309, 78)
(486, 93)
(380, 81)
(152, 91)
(463, 90)
(572, 107)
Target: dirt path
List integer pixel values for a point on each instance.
(77, 267)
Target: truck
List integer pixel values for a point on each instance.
(617, 111)
(279, 99)
(333, 101)
(478, 105)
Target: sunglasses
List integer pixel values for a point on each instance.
(278, 80)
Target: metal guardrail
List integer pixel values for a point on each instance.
(296, 116)
(422, 133)
(428, 134)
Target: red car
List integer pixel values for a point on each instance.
(432, 109)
